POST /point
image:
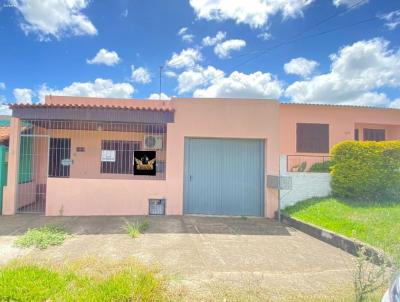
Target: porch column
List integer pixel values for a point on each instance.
(10, 191)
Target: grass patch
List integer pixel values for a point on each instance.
(103, 279)
(42, 237)
(136, 228)
(35, 282)
(377, 224)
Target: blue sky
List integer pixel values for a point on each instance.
(345, 51)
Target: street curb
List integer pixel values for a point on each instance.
(346, 244)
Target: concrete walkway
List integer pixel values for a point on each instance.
(202, 249)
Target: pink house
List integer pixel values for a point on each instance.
(92, 156)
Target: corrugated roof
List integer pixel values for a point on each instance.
(338, 105)
(93, 106)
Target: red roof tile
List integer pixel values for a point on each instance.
(105, 106)
(53, 101)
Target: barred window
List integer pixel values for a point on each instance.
(117, 156)
(59, 157)
(374, 134)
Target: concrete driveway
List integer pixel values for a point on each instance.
(201, 249)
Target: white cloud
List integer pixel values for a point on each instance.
(5, 110)
(211, 41)
(265, 36)
(182, 31)
(99, 88)
(350, 3)
(369, 99)
(241, 85)
(2, 85)
(156, 96)
(223, 50)
(23, 95)
(300, 66)
(356, 71)
(140, 75)
(392, 19)
(187, 58)
(199, 76)
(55, 18)
(105, 57)
(395, 104)
(252, 12)
(170, 74)
(125, 13)
(186, 37)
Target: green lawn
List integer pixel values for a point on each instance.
(377, 224)
(37, 283)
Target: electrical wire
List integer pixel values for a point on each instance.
(325, 20)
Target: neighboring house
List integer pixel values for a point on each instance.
(4, 137)
(81, 156)
(309, 131)
(4, 140)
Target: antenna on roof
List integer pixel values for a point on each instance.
(159, 94)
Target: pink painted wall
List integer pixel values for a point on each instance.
(342, 122)
(89, 195)
(88, 192)
(77, 196)
(10, 191)
(223, 118)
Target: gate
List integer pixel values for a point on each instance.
(224, 176)
(33, 172)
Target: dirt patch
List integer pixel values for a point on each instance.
(8, 251)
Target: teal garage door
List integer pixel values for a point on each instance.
(224, 177)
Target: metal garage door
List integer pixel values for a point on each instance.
(224, 177)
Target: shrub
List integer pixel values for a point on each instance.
(42, 237)
(300, 167)
(321, 167)
(136, 228)
(368, 171)
(368, 277)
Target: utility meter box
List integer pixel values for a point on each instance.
(156, 206)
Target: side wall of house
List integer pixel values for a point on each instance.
(206, 118)
(342, 122)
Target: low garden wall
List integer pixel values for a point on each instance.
(304, 185)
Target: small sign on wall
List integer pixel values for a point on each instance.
(144, 163)
(108, 155)
(66, 162)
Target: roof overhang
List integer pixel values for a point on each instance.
(93, 113)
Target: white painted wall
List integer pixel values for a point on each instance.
(304, 185)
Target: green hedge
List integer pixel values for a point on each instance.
(321, 167)
(367, 171)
